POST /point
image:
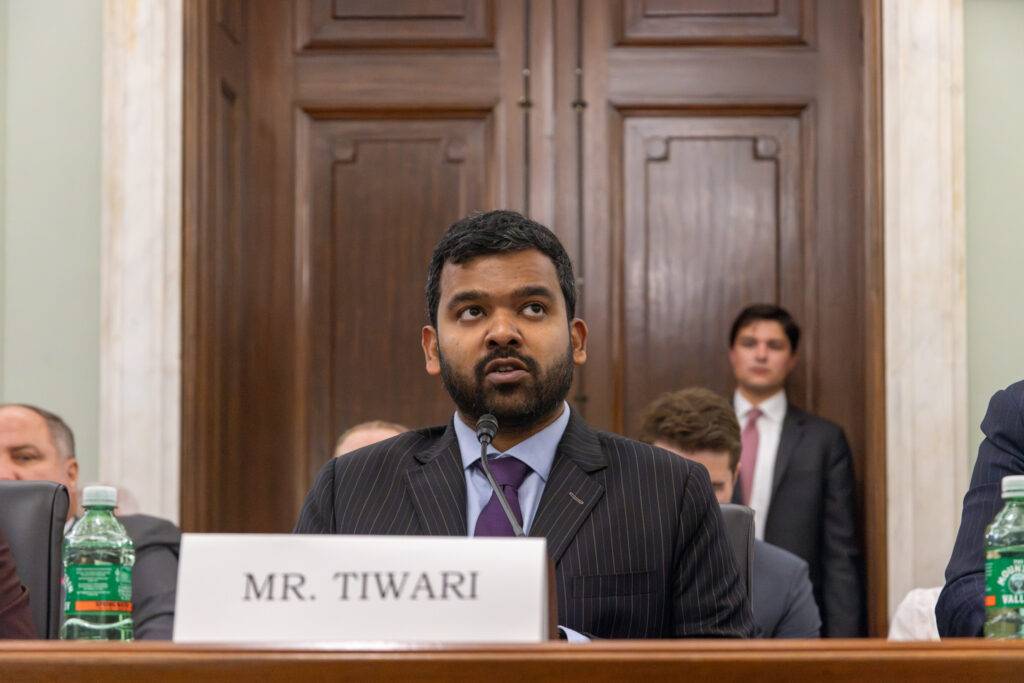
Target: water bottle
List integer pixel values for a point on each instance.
(98, 559)
(1004, 565)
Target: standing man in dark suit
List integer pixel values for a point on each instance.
(796, 469)
(36, 444)
(700, 425)
(961, 607)
(635, 533)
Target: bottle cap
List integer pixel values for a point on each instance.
(1013, 486)
(106, 496)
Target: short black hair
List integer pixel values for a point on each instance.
(756, 312)
(497, 232)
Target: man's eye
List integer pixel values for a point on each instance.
(23, 457)
(776, 346)
(471, 313)
(534, 309)
(748, 342)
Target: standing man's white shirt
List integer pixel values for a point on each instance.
(769, 431)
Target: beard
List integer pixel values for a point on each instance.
(518, 407)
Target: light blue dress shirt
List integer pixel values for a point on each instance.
(538, 452)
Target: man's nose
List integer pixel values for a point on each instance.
(8, 473)
(503, 331)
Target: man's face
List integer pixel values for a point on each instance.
(28, 453)
(503, 344)
(762, 358)
(723, 480)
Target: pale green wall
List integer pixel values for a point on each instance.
(994, 102)
(51, 212)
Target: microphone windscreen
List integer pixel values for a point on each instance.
(486, 427)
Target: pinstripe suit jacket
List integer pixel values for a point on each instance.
(635, 532)
(960, 610)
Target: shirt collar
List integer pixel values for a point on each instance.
(773, 407)
(538, 451)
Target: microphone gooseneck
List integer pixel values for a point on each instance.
(486, 428)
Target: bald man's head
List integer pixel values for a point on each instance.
(366, 434)
(36, 445)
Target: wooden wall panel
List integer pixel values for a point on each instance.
(382, 193)
(712, 22)
(339, 24)
(214, 307)
(712, 222)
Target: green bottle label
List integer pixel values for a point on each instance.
(1004, 582)
(92, 588)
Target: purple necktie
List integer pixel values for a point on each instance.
(509, 474)
(748, 456)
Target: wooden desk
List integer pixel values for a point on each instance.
(636, 661)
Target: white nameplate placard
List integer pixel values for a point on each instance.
(274, 588)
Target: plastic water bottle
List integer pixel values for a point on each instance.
(98, 559)
(1004, 565)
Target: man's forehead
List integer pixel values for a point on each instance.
(763, 328)
(492, 272)
(21, 423)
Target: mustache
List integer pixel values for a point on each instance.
(501, 353)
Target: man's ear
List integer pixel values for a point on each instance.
(431, 353)
(71, 472)
(791, 363)
(578, 335)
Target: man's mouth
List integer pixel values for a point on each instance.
(505, 371)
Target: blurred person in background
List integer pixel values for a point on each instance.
(701, 426)
(36, 444)
(366, 434)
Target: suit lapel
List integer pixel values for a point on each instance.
(571, 491)
(789, 444)
(438, 487)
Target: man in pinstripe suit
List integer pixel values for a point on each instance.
(960, 610)
(635, 533)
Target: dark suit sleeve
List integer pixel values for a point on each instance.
(317, 515)
(710, 600)
(15, 615)
(960, 610)
(154, 576)
(801, 618)
(842, 587)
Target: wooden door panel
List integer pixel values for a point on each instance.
(711, 22)
(711, 204)
(380, 194)
(336, 24)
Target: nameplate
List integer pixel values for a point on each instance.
(279, 588)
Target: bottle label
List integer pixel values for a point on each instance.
(92, 588)
(1004, 582)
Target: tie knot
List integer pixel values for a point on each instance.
(753, 414)
(508, 471)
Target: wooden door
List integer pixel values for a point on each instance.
(724, 164)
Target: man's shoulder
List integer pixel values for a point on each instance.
(624, 451)
(776, 563)
(390, 452)
(814, 422)
(146, 530)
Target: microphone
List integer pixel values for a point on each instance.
(486, 428)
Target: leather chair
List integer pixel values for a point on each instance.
(739, 527)
(32, 515)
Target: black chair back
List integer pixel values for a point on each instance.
(32, 516)
(739, 527)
